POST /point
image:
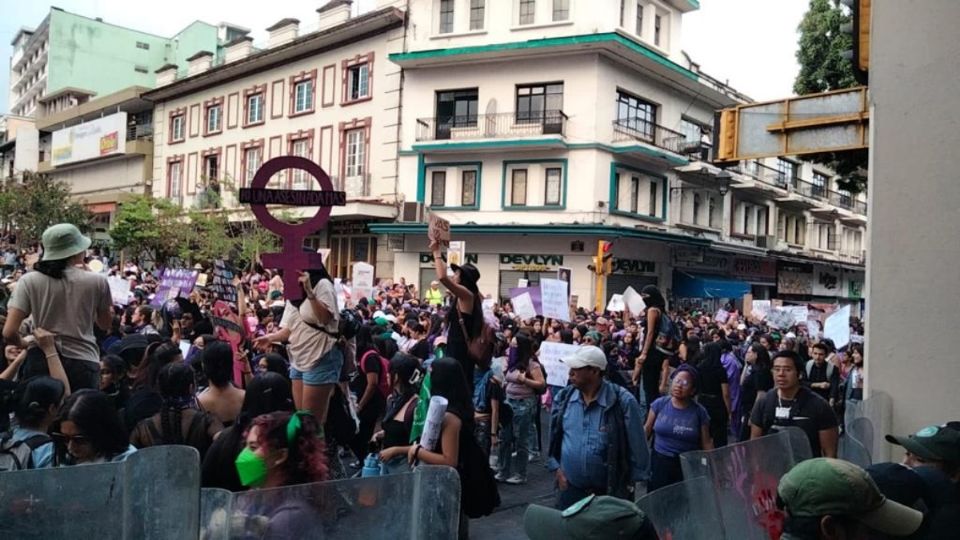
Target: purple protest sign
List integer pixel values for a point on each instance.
(293, 259)
(173, 283)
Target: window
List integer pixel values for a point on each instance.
(356, 152)
(623, 13)
(634, 193)
(468, 188)
(636, 114)
(255, 109)
(446, 16)
(561, 10)
(176, 128)
(697, 204)
(639, 18)
(692, 131)
(762, 214)
(553, 186)
(477, 14)
(211, 167)
(303, 96)
(213, 119)
(141, 69)
(518, 188)
(528, 10)
(786, 171)
(252, 159)
(819, 184)
(142, 45)
(656, 29)
(438, 191)
(712, 214)
(457, 108)
(652, 205)
(358, 81)
(539, 103)
(175, 173)
(300, 148)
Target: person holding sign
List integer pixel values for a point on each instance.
(466, 316)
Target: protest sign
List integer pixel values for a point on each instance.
(523, 283)
(222, 285)
(523, 306)
(722, 316)
(439, 230)
(457, 253)
(534, 293)
(362, 281)
(563, 274)
(119, 290)
(837, 327)
(799, 313)
(616, 303)
(174, 281)
(549, 357)
(747, 306)
(779, 318)
(431, 428)
(633, 301)
(554, 299)
(759, 309)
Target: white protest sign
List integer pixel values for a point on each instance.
(431, 427)
(616, 303)
(362, 280)
(523, 283)
(633, 301)
(119, 290)
(800, 313)
(550, 354)
(759, 309)
(837, 327)
(779, 318)
(554, 300)
(523, 306)
(457, 252)
(722, 316)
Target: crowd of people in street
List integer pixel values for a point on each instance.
(284, 387)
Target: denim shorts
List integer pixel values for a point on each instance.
(327, 370)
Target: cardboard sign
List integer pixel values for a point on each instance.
(523, 306)
(457, 253)
(554, 297)
(439, 230)
(837, 327)
(633, 301)
(362, 281)
(222, 285)
(549, 356)
(119, 290)
(616, 303)
(174, 279)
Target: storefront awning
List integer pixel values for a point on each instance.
(686, 285)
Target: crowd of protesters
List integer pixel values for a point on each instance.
(318, 380)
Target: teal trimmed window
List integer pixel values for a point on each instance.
(452, 186)
(638, 193)
(538, 184)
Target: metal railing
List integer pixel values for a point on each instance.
(492, 126)
(139, 131)
(655, 134)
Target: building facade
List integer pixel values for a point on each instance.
(60, 64)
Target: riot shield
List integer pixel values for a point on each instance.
(878, 408)
(686, 510)
(799, 443)
(861, 429)
(153, 494)
(850, 449)
(423, 504)
(744, 477)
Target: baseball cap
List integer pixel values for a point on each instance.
(592, 517)
(595, 336)
(826, 486)
(897, 482)
(935, 443)
(586, 355)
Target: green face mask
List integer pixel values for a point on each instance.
(251, 468)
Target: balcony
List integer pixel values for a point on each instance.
(492, 126)
(635, 130)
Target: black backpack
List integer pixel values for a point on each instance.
(17, 455)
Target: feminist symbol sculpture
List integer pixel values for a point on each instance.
(293, 259)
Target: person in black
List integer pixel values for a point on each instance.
(822, 377)
(714, 392)
(405, 376)
(468, 309)
(649, 364)
(371, 401)
(756, 381)
(420, 347)
(795, 405)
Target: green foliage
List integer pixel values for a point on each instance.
(823, 68)
(145, 224)
(37, 203)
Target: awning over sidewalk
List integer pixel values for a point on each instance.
(687, 285)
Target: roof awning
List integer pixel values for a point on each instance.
(687, 285)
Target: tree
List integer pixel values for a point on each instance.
(38, 202)
(146, 225)
(823, 68)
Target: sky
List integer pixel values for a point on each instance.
(750, 43)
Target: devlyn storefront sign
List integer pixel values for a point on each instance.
(427, 258)
(531, 263)
(634, 267)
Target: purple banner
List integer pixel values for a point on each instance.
(174, 282)
(534, 295)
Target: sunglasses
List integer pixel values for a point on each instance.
(67, 439)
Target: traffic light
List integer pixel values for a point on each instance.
(859, 29)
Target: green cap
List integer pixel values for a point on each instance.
(62, 241)
(825, 486)
(932, 443)
(593, 517)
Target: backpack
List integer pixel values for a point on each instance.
(830, 368)
(383, 384)
(479, 495)
(668, 334)
(17, 455)
(349, 324)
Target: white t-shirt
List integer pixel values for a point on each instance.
(308, 345)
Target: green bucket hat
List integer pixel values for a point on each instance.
(62, 241)
(825, 486)
(592, 517)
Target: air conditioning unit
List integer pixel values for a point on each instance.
(412, 212)
(767, 242)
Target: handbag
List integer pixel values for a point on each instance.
(479, 347)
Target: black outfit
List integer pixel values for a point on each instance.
(219, 469)
(759, 380)
(818, 374)
(710, 394)
(807, 410)
(374, 408)
(653, 366)
(397, 432)
(142, 404)
(421, 349)
(457, 342)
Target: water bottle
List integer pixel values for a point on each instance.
(371, 466)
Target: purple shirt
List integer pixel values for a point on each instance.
(677, 430)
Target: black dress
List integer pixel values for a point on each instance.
(457, 342)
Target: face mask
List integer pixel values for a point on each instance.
(251, 468)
